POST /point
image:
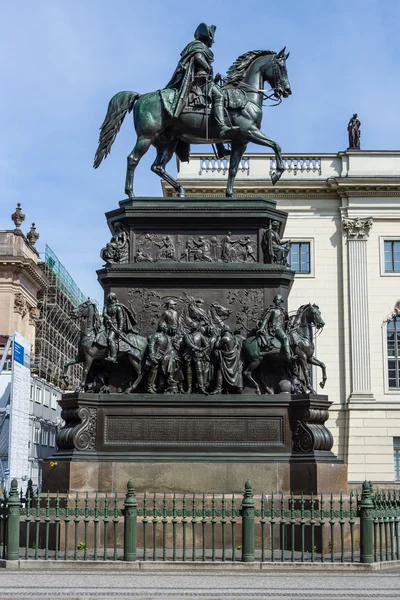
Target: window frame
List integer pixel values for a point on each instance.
(310, 241)
(382, 240)
(390, 390)
(38, 391)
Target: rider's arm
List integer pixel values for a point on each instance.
(201, 62)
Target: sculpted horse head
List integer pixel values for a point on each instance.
(88, 315)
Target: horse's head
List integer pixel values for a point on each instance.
(221, 311)
(275, 73)
(87, 314)
(315, 316)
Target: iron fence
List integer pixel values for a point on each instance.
(201, 527)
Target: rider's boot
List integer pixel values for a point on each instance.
(224, 130)
(200, 383)
(113, 352)
(222, 152)
(151, 381)
(189, 381)
(288, 353)
(218, 387)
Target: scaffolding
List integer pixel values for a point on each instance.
(57, 335)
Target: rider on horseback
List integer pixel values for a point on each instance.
(194, 70)
(118, 321)
(274, 324)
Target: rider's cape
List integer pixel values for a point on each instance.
(183, 77)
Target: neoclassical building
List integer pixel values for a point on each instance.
(344, 224)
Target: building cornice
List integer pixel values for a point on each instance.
(28, 267)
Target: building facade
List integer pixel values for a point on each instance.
(344, 224)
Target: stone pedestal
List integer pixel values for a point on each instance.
(194, 444)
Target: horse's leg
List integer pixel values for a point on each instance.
(164, 155)
(248, 372)
(318, 363)
(238, 149)
(138, 374)
(303, 359)
(256, 136)
(87, 363)
(142, 145)
(74, 361)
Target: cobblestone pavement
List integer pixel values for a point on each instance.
(211, 586)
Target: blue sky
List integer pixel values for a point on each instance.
(62, 60)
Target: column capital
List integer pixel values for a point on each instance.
(357, 229)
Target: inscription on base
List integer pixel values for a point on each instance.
(176, 429)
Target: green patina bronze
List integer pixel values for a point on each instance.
(195, 109)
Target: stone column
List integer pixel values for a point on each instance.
(357, 231)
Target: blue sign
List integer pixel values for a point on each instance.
(6, 472)
(19, 353)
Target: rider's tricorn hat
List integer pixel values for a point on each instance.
(205, 31)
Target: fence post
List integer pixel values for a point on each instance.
(130, 513)
(365, 510)
(248, 523)
(13, 512)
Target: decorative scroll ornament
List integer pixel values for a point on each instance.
(357, 228)
(79, 431)
(20, 305)
(34, 314)
(394, 314)
(309, 431)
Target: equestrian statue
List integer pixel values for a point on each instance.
(197, 108)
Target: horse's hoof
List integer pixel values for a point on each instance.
(275, 177)
(181, 193)
(130, 195)
(322, 384)
(258, 392)
(228, 194)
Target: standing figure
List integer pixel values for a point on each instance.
(275, 251)
(274, 324)
(118, 321)
(161, 359)
(170, 317)
(117, 249)
(227, 350)
(195, 356)
(194, 71)
(228, 248)
(354, 132)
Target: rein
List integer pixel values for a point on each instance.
(265, 94)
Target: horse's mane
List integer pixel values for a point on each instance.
(237, 70)
(300, 311)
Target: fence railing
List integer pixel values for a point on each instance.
(191, 527)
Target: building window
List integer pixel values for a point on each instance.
(45, 437)
(32, 392)
(393, 352)
(299, 257)
(36, 439)
(38, 396)
(53, 401)
(396, 451)
(392, 256)
(52, 440)
(46, 397)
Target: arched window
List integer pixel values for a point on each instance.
(393, 352)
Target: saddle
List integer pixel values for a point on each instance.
(234, 98)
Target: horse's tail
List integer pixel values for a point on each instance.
(119, 105)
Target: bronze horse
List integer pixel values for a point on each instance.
(301, 343)
(93, 346)
(154, 125)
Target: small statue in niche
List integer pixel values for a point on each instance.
(227, 350)
(117, 249)
(195, 356)
(161, 360)
(275, 250)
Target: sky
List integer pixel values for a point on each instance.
(62, 60)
